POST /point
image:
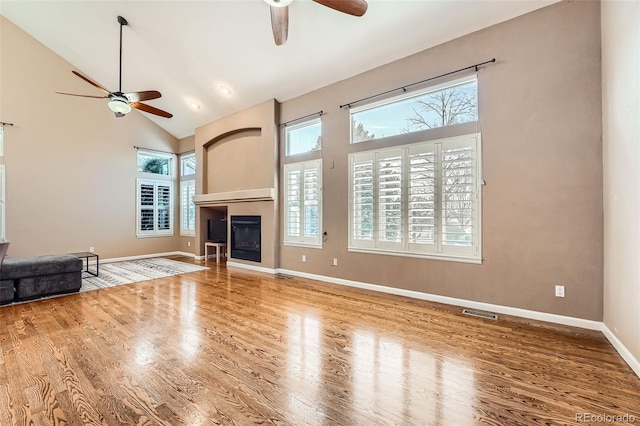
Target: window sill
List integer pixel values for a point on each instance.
(154, 235)
(312, 246)
(446, 258)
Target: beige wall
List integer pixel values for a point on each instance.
(540, 118)
(71, 165)
(236, 153)
(621, 139)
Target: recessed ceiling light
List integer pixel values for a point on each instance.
(225, 90)
(194, 105)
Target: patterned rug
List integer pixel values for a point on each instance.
(132, 271)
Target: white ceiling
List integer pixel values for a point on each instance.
(187, 49)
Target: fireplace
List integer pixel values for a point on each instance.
(245, 238)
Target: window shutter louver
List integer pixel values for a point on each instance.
(458, 195)
(389, 197)
(422, 197)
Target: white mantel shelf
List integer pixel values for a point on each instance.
(263, 194)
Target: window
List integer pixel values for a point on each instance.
(419, 200)
(2, 186)
(157, 164)
(154, 195)
(452, 103)
(155, 204)
(303, 203)
(304, 137)
(187, 164)
(187, 191)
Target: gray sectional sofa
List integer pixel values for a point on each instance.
(34, 277)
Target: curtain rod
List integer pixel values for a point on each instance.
(191, 151)
(2, 123)
(404, 88)
(154, 150)
(319, 113)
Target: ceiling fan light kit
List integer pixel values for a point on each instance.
(122, 103)
(119, 104)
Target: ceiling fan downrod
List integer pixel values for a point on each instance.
(122, 23)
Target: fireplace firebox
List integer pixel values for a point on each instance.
(245, 238)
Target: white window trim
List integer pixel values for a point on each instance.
(185, 232)
(301, 241)
(154, 233)
(301, 125)
(388, 249)
(401, 97)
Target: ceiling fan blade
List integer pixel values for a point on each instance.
(146, 95)
(91, 82)
(351, 7)
(82, 96)
(280, 24)
(150, 109)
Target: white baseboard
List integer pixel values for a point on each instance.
(622, 349)
(500, 309)
(145, 256)
(251, 267)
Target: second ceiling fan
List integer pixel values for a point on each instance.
(122, 103)
(280, 14)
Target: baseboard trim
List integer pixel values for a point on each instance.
(251, 267)
(625, 353)
(500, 309)
(145, 256)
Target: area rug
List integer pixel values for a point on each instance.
(132, 271)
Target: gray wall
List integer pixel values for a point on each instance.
(540, 118)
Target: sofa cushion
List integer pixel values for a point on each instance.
(45, 285)
(17, 268)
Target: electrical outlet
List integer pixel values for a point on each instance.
(188, 243)
(334, 261)
(91, 249)
(304, 258)
(559, 291)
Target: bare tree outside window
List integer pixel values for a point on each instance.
(454, 105)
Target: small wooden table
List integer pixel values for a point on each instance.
(87, 255)
(220, 248)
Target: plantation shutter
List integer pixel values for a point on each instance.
(187, 208)
(362, 200)
(154, 208)
(459, 206)
(389, 209)
(303, 203)
(421, 206)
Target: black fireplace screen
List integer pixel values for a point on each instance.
(245, 238)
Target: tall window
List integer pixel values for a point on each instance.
(304, 137)
(154, 194)
(187, 191)
(454, 102)
(303, 203)
(2, 186)
(421, 199)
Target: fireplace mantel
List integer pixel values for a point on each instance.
(263, 194)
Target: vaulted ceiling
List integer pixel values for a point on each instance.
(189, 50)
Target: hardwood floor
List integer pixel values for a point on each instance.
(231, 347)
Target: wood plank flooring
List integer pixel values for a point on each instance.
(225, 346)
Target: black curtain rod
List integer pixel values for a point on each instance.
(404, 88)
(191, 151)
(319, 113)
(2, 123)
(154, 150)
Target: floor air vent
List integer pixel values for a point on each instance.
(283, 276)
(479, 314)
